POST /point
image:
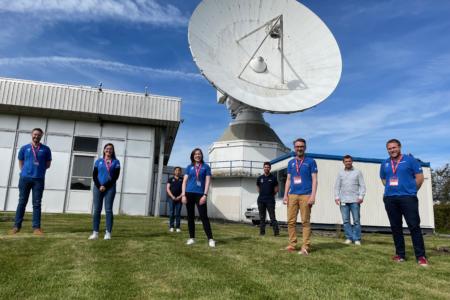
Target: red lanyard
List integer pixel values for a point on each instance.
(297, 166)
(395, 167)
(35, 152)
(197, 170)
(108, 166)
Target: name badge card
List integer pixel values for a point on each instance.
(297, 180)
(36, 163)
(199, 183)
(393, 181)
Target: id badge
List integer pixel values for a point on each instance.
(297, 180)
(36, 163)
(199, 183)
(393, 181)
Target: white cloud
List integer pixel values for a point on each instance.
(138, 11)
(80, 63)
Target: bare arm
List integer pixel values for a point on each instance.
(383, 181)
(169, 192)
(287, 186)
(276, 190)
(419, 180)
(20, 164)
(183, 189)
(312, 198)
(203, 198)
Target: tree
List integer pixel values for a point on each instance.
(440, 179)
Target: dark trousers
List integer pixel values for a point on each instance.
(407, 207)
(192, 200)
(26, 185)
(269, 207)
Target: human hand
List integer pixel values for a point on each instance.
(360, 200)
(202, 200)
(285, 200)
(183, 199)
(102, 189)
(311, 200)
(338, 202)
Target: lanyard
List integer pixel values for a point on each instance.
(108, 166)
(35, 152)
(297, 166)
(197, 170)
(395, 167)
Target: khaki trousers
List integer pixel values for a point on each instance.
(295, 203)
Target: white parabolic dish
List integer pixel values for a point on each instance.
(308, 73)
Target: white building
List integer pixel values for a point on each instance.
(233, 196)
(78, 122)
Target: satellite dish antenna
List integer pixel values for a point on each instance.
(273, 55)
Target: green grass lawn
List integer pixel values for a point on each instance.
(145, 261)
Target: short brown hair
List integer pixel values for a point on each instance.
(37, 129)
(347, 157)
(394, 141)
(302, 140)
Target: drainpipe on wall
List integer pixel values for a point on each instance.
(162, 142)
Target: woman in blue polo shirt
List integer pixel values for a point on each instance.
(195, 192)
(105, 174)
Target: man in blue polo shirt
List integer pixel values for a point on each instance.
(300, 193)
(267, 185)
(402, 177)
(34, 160)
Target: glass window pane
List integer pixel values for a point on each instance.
(80, 183)
(85, 144)
(82, 166)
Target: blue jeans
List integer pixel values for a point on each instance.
(408, 207)
(174, 213)
(108, 196)
(26, 184)
(352, 232)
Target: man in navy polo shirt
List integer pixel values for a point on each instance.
(267, 186)
(34, 160)
(300, 193)
(402, 177)
(173, 189)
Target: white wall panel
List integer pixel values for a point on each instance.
(13, 200)
(7, 139)
(79, 202)
(56, 176)
(133, 204)
(53, 201)
(16, 173)
(113, 130)
(2, 198)
(140, 133)
(136, 174)
(60, 126)
(87, 129)
(139, 148)
(24, 138)
(5, 162)
(28, 123)
(8, 122)
(59, 143)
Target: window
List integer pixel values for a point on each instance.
(281, 176)
(85, 144)
(82, 172)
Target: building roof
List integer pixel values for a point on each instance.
(91, 104)
(337, 157)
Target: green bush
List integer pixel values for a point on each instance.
(442, 217)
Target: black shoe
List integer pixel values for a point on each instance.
(276, 233)
(262, 233)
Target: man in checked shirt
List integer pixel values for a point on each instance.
(349, 192)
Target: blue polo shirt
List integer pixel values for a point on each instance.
(103, 175)
(406, 172)
(192, 186)
(31, 167)
(306, 170)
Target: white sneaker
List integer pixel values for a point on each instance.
(107, 235)
(93, 236)
(358, 243)
(178, 230)
(171, 229)
(212, 243)
(190, 241)
(348, 242)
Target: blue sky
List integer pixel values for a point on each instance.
(395, 80)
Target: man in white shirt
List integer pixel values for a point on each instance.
(349, 192)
